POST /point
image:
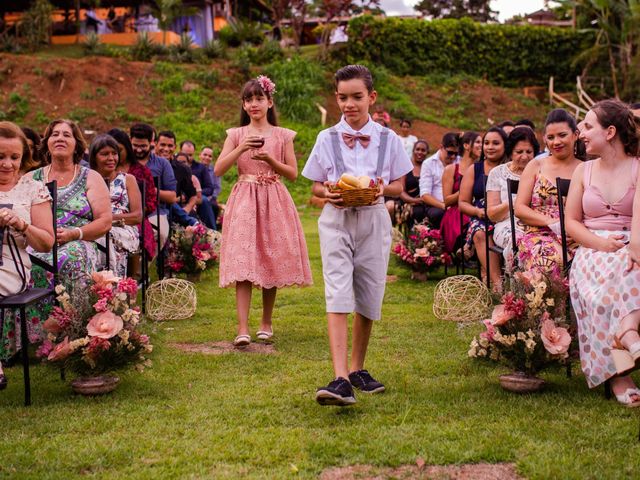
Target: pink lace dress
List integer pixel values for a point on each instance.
(262, 238)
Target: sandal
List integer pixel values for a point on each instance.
(625, 398)
(625, 359)
(242, 341)
(264, 336)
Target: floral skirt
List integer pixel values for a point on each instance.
(602, 295)
(542, 249)
(474, 226)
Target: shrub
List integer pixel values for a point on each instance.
(183, 52)
(92, 44)
(214, 49)
(243, 60)
(238, 32)
(36, 24)
(270, 51)
(508, 55)
(145, 49)
(299, 83)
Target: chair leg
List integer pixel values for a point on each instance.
(63, 375)
(607, 389)
(25, 355)
(569, 375)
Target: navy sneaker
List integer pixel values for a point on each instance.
(339, 393)
(365, 382)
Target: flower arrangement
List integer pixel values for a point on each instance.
(422, 249)
(192, 249)
(96, 332)
(529, 329)
(266, 84)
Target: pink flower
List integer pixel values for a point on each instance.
(490, 330)
(556, 339)
(44, 349)
(97, 345)
(100, 305)
(104, 325)
(128, 286)
(421, 253)
(105, 277)
(60, 351)
(500, 315)
(52, 325)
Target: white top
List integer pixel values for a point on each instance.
(321, 167)
(431, 176)
(497, 182)
(408, 143)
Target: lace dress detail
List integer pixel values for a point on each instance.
(262, 238)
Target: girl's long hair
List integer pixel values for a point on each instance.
(253, 89)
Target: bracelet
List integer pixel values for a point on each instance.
(79, 232)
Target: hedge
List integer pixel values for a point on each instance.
(508, 55)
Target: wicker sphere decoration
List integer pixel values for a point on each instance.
(171, 299)
(461, 298)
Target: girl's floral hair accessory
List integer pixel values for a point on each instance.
(266, 84)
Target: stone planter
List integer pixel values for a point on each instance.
(95, 385)
(520, 382)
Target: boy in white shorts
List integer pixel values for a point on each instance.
(354, 241)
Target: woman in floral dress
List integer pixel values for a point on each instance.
(602, 218)
(536, 206)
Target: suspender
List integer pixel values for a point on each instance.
(337, 153)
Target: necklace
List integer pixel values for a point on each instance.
(61, 181)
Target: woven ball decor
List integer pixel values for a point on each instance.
(461, 298)
(171, 299)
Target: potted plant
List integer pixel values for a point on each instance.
(192, 249)
(421, 249)
(94, 331)
(528, 331)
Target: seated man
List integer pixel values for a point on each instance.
(431, 177)
(206, 158)
(201, 172)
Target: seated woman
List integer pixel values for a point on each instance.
(471, 202)
(537, 201)
(25, 215)
(452, 225)
(129, 164)
(600, 215)
(126, 203)
(522, 147)
(83, 212)
(409, 207)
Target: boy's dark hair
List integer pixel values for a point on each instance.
(506, 123)
(405, 120)
(450, 140)
(351, 72)
(184, 142)
(560, 115)
(143, 131)
(521, 134)
(168, 134)
(525, 122)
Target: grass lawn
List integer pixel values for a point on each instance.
(242, 415)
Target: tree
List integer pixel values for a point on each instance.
(36, 24)
(617, 44)
(167, 11)
(478, 10)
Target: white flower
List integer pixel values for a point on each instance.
(530, 345)
(522, 336)
(59, 289)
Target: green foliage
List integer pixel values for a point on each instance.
(243, 59)
(504, 54)
(18, 107)
(9, 43)
(299, 83)
(36, 24)
(208, 78)
(270, 51)
(478, 10)
(214, 49)
(92, 44)
(80, 114)
(183, 52)
(145, 49)
(241, 31)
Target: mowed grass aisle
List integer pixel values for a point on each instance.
(254, 416)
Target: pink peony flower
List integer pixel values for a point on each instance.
(556, 339)
(100, 305)
(105, 277)
(421, 253)
(128, 286)
(490, 330)
(52, 325)
(104, 325)
(60, 351)
(500, 315)
(44, 349)
(97, 345)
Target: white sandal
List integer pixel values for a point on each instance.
(625, 398)
(625, 359)
(242, 341)
(264, 336)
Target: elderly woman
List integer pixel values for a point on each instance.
(25, 216)
(84, 209)
(126, 203)
(522, 147)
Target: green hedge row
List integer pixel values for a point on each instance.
(507, 55)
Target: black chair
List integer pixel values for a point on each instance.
(106, 248)
(144, 267)
(562, 184)
(512, 188)
(21, 301)
(488, 248)
(160, 253)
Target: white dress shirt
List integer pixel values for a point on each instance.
(321, 165)
(431, 176)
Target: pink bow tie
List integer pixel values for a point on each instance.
(350, 140)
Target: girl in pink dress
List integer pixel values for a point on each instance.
(263, 243)
(601, 212)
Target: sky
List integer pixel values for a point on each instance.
(507, 8)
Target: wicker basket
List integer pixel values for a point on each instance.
(358, 197)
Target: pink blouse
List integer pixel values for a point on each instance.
(601, 215)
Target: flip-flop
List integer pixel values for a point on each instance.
(242, 341)
(264, 336)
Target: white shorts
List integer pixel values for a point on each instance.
(355, 245)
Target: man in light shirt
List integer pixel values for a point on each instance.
(431, 177)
